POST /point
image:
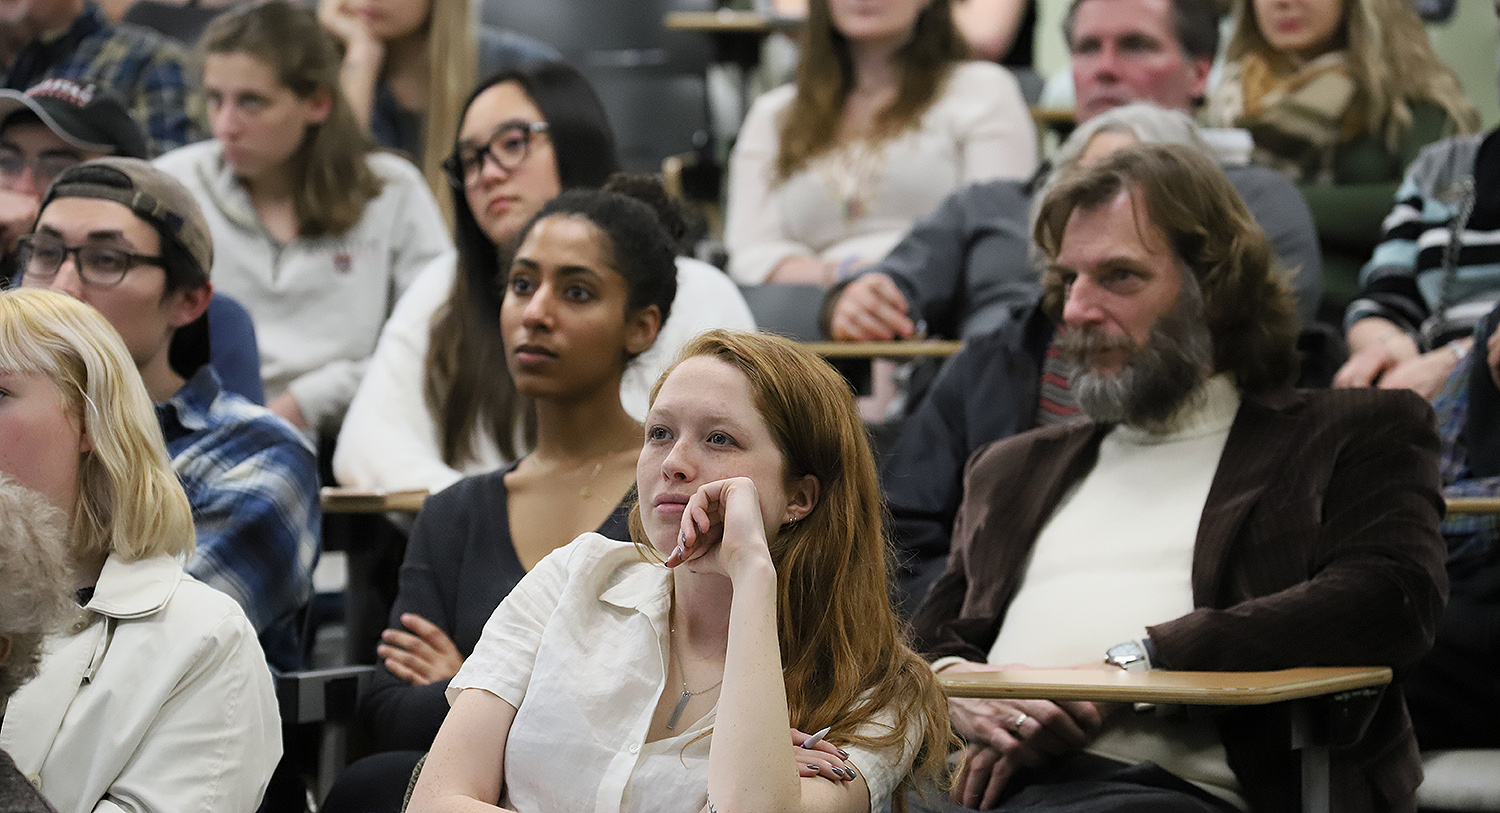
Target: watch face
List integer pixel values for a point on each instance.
(1126, 653)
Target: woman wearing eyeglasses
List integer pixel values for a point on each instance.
(314, 231)
(436, 404)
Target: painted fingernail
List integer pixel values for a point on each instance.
(681, 539)
(843, 753)
(850, 770)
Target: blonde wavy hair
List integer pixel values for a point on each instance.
(35, 584)
(130, 504)
(844, 650)
(453, 52)
(1389, 57)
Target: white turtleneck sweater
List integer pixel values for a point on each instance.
(1117, 556)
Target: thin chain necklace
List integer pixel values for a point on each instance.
(686, 695)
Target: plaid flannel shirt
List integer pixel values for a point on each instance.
(252, 481)
(154, 75)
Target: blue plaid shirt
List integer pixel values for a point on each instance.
(252, 481)
(154, 75)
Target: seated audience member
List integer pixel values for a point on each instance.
(1453, 694)
(60, 123)
(158, 693)
(967, 264)
(141, 253)
(1436, 272)
(408, 65)
(45, 130)
(1205, 517)
(432, 408)
(74, 40)
(757, 488)
(317, 232)
(885, 119)
(587, 290)
(35, 600)
(1339, 95)
(1010, 379)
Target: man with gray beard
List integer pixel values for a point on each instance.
(1205, 517)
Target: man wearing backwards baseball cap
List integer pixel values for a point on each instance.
(52, 126)
(130, 240)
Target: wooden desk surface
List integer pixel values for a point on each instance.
(353, 501)
(728, 21)
(884, 350)
(1474, 505)
(1194, 688)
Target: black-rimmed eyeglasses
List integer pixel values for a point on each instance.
(507, 147)
(40, 257)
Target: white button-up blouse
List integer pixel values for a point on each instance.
(579, 647)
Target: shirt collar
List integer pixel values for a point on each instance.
(189, 408)
(135, 589)
(645, 587)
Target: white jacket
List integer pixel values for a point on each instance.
(318, 303)
(390, 441)
(157, 699)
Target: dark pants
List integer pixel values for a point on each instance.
(1084, 783)
(375, 784)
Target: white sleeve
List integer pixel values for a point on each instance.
(993, 127)
(390, 440)
(504, 658)
(421, 235)
(754, 232)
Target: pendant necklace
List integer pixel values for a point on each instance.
(686, 695)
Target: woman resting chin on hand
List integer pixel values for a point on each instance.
(642, 675)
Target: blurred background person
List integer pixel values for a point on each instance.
(1340, 95)
(408, 64)
(315, 231)
(885, 119)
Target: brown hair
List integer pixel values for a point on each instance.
(334, 181)
(35, 583)
(845, 656)
(826, 75)
(1247, 299)
(1390, 59)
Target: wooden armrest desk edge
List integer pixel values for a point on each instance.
(338, 500)
(1164, 686)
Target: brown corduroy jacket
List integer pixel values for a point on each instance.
(1318, 546)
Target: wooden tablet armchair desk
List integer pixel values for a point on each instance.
(1324, 707)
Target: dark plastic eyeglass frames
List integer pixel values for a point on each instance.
(508, 147)
(102, 267)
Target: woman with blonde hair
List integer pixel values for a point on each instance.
(885, 119)
(409, 65)
(158, 693)
(686, 668)
(1340, 95)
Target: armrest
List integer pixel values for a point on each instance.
(320, 695)
(338, 500)
(1164, 686)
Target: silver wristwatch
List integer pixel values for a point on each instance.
(1130, 655)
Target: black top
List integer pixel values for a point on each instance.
(460, 564)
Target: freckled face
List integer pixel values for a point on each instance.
(703, 427)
